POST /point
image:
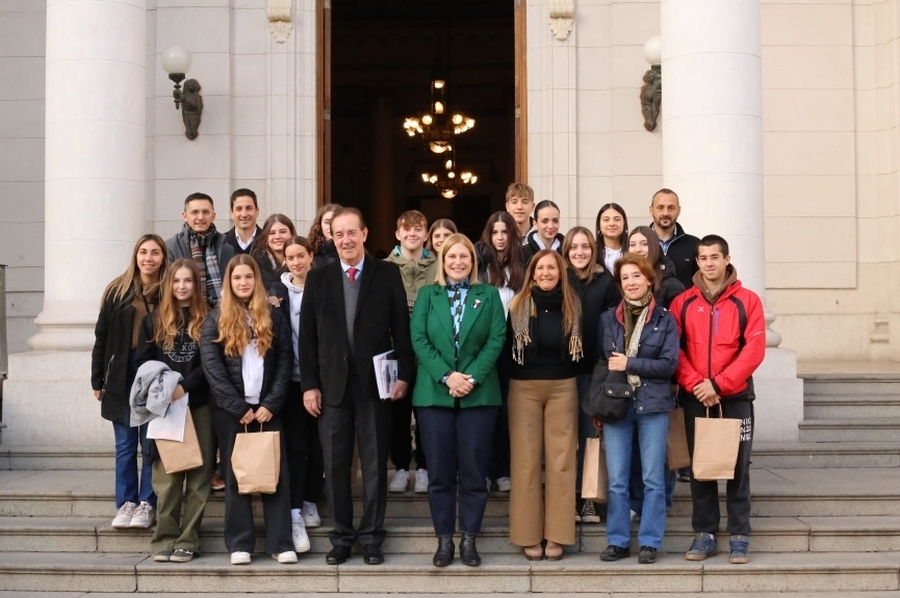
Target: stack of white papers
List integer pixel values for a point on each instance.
(385, 373)
(170, 427)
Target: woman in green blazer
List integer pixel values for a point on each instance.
(458, 329)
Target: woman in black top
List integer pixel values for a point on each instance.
(644, 241)
(268, 249)
(598, 293)
(546, 230)
(320, 235)
(544, 334)
(171, 335)
(247, 358)
(126, 300)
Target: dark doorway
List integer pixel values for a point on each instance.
(382, 56)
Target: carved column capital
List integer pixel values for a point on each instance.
(279, 14)
(562, 18)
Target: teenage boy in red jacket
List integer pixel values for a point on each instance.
(723, 342)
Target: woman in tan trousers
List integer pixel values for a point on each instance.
(544, 332)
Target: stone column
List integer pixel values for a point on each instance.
(94, 183)
(94, 212)
(712, 157)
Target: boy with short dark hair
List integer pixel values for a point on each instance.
(418, 268)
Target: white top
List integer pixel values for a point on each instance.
(295, 294)
(252, 369)
(610, 256)
(506, 293)
(243, 245)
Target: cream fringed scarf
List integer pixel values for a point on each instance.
(522, 320)
(634, 326)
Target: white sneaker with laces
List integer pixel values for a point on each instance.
(421, 481)
(123, 517)
(286, 558)
(504, 484)
(310, 515)
(299, 536)
(144, 516)
(400, 481)
(240, 558)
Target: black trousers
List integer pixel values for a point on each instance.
(401, 440)
(240, 534)
(499, 465)
(368, 419)
(705, 495)
(304, 451)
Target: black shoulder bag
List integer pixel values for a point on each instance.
(609, 393)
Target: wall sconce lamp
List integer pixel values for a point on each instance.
(651, 91)
(176, 61)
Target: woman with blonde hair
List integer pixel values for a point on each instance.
(171, 335)
(126, 300)
(457, 330)
(544, 333)
(247, 358)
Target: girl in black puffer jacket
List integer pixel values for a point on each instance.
(247, 357)
(644, 241)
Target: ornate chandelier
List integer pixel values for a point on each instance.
(439, 126)
(449, 182)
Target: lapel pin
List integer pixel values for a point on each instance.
(477, 303)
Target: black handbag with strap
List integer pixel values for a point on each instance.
(608, 396)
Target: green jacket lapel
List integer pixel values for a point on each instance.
(474, 307)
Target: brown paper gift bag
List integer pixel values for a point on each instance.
(181, 456)
(256, 461)
(677, 455)
(716, 443)
(595, 481)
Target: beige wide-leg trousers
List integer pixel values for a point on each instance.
(543, 419)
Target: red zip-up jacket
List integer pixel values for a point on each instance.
(711, 336)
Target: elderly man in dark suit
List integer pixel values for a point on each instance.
(353, 309)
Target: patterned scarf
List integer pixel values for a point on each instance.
(207, 262)
(454, 291)
(522, 320)
(635, 314)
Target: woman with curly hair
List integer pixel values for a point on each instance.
(320, 235)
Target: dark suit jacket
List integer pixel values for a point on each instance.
(231, 239)
(382, 323)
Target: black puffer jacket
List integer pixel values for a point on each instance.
(325, 253)
(225, 377)
(670, 287)
(532, 245)
(598, 295)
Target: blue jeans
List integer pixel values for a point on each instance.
(636, 492)
(457, 440)
(618, 437)
(128, 487)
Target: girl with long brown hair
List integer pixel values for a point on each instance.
(126, 300)
(247, 358)
(320, 235)
(544, 334)
(612, 234)
(268, 249)
(171, 335)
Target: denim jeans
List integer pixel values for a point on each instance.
(128, 487)
(618, 437)
(637, 484)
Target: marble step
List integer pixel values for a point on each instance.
(858, 429)
(807, 492)
(416, 535)
(414, 574)
(828, 406)
(830, 455)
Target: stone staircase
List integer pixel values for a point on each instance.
(825, 518)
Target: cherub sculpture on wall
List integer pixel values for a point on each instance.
(191, 108)
(651, 98)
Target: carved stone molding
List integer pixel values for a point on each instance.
(562, 17)
(279, 14)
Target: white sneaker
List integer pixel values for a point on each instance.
(488, 481)
(123, 517)
(400, 482)
(421, 481)
(240, 558)
(144, 515)
(299, 536)
(504, 484)
(310, 515)
(286, 558)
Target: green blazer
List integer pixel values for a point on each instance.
(481, 337)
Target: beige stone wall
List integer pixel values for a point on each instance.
(22, 52)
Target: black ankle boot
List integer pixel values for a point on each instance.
(444, 554)
(467, 551)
